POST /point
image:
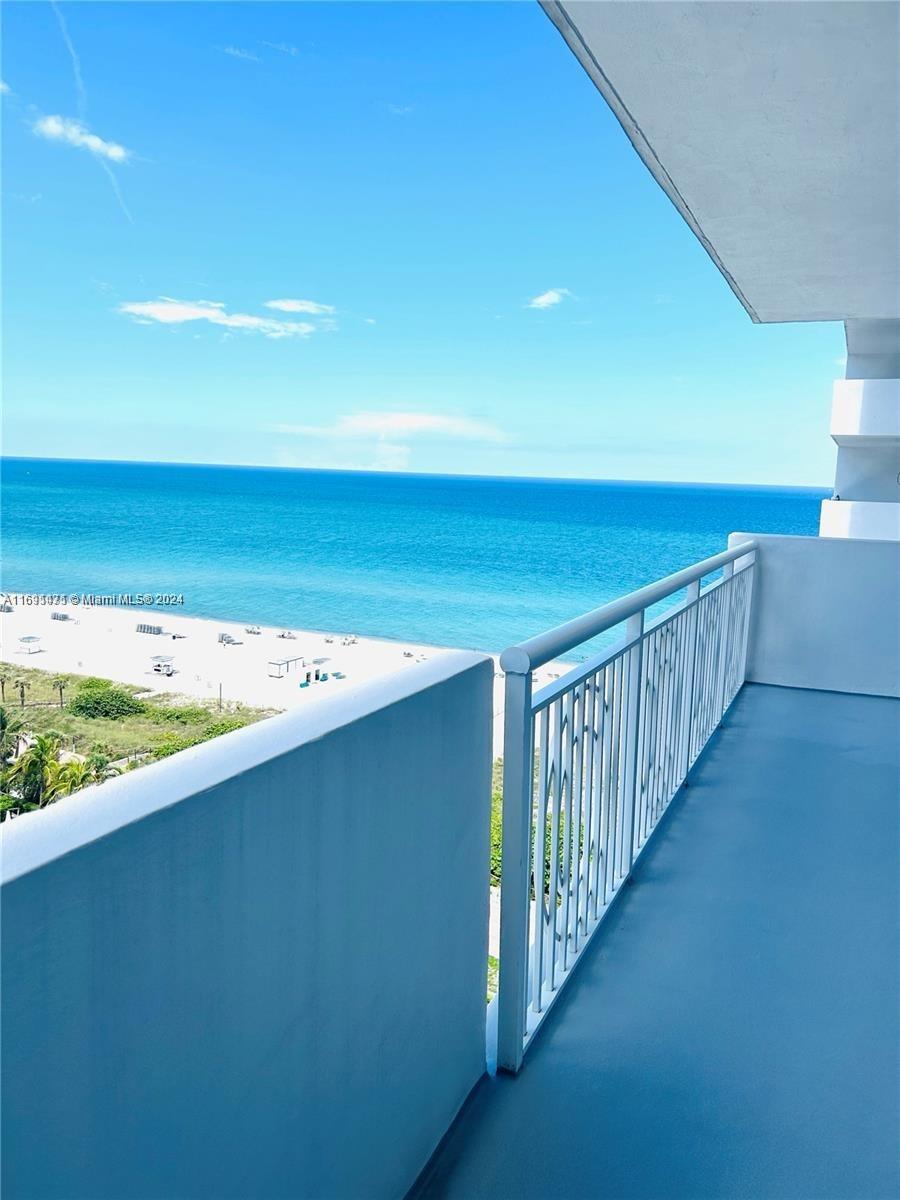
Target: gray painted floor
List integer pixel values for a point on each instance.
(733, 1031)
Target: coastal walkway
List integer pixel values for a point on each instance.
(733, 1029)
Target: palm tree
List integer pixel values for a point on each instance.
(60, 684)
(4, 679)
(10, 733)
(35, 770)
(69, 777)
(22, 686)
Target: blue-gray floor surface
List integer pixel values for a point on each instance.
(733, 1030)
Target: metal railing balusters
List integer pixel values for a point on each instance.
(693, 625)
(592, 762)
(672, 706)
(616, 793)
(597, 815)
(579, 811)
(538, 861)
(565, 861)
(658, 726)
(634, 630)
(678, 755)
(556, 802)
(650, 656)
(671, 659)
(618, 829)
(590, 742)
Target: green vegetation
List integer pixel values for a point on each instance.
(497, 834)
(493, 977)
(50, 748)
(496, 822)
(97, 698)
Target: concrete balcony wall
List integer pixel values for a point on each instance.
(256, 968)
(877, 520)
(826, 614)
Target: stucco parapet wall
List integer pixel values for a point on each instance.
(824, 613)
(869, 520)
(35, 839)
(865, 410)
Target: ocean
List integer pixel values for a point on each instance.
(448, 560)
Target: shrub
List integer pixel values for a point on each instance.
(226, 725)
(98, 698)
(187, 714)
(171, 743)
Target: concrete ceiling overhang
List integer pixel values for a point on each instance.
(774, 128)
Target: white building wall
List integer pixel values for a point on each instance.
(256, 969)
(865, 426)
(826, 614)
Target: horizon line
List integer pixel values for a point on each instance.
(150, 462)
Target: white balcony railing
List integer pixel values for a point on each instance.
(592, 761)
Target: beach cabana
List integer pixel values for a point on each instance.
(30, 642)
(279, 667)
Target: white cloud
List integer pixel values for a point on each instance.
(167, 311)
(301, 306)
(398, 425)
(4, 88)
(63, 129)
(369, 320)
(549, 298)
(281, 47)
(400, 110)
(237, 52)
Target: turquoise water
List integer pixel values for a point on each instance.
(443, 559)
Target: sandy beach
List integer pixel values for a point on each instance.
(104, 640)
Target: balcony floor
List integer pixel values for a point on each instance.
(733, 1030)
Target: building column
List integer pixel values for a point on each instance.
(865, 424)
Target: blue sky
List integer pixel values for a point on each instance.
(394, 236)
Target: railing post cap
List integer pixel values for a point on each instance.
(515, 661)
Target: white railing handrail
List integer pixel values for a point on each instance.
(535, 652)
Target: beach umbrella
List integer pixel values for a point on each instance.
(162, 658)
